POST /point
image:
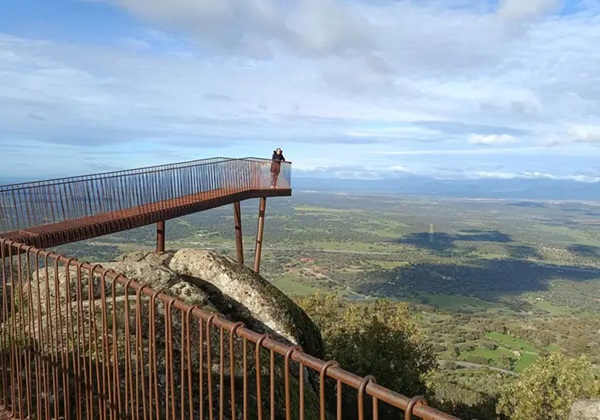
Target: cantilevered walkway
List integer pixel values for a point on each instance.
(50, 213)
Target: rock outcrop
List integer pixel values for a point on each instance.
(212, 282)
(218, 284)
(585, 410)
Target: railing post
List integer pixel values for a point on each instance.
(160, 237)
(259, 233)
(239, 241)
(256, 174)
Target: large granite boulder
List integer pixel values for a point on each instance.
(585, 410)
(205, 279)
(248, 297)
(218, 284)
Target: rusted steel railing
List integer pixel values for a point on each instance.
(78, 341)
(34, 204)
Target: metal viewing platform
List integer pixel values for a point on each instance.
(49, 213)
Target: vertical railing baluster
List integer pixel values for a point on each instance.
(124, 195)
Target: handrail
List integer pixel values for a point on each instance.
(38, 203)
(39, 359)
(111, 174)
(116, 172)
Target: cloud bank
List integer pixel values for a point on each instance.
(444, 88)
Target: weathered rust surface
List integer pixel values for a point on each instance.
(55, 234)
(259, 233)
(6, 415)
(239, 238)
(54, 212)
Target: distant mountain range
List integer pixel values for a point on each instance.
(516, 188)
(5, 181)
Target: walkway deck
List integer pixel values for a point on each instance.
(55, 234)
(54, 212)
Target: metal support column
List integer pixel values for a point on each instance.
(239, 241)
(259, 233)
(160, 236)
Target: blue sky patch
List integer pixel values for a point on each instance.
(457, 88)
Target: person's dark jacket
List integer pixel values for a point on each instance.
(277, 157)
(276, 162)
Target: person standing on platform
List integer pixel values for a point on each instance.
(276, 166)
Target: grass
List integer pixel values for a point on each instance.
(552, 348)
(456, 302)
(381, 233)
(390, 265)
(511, 342)
(383, 228)
(488, 354)
(314, 209)
(551, 308)
(292, 287)
(525, 360)
(493, 356)
(349, 246)
(508, 344)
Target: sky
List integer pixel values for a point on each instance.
(347, 88)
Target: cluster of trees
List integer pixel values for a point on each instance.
(381, 338)
(575, 335)
(548, 389)
(378, 338)
(454, 336)
(490, 279)
(466, 393)
(581, 296)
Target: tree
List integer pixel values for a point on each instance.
(489, 345)
(548, 389)
(377, 338)
(504, 362)
(439, 348)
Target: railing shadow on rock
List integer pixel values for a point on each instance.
(79, 341)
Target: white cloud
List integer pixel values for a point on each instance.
(398, 132)
(350, 172)
(375, 84)
(400, 169)
(312, 27)
(583, 178)
(525, 10)
(585, 134)
(534, 175)
(512, 175)
(464, 152)
(492, 139)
